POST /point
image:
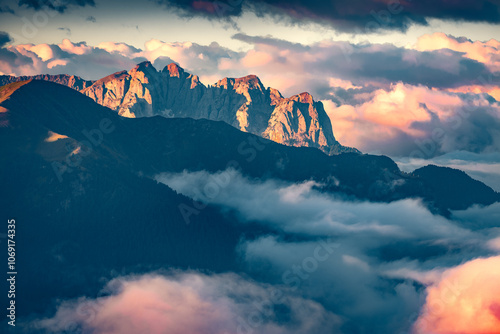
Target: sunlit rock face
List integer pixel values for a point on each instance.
(244, 103)
(299, 121)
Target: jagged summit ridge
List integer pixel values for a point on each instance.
(244, 103)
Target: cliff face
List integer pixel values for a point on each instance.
(300, 121)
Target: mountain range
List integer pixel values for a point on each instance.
(244, 103)
(150, 145)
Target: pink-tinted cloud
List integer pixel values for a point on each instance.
(289, 67)
(67, 57)
(75, 48)
(120, 48)
(407, 118)
(466, 300)
(487, 53)
(494, 244)
(57, 62)
(490, 89)
(188, 304)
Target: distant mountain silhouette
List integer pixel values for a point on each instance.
(71, 81)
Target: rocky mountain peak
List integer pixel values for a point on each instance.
(250, 80)
(225, 83)
(115, 76)
(144, 65)
(195, 81)
(144, 72)
(174, 70)
(304, 97)
(275, 96)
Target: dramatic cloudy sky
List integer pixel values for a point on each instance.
(418, 80)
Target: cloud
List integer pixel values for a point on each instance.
(4, 38)
(95, 62)
(487, 53)
(190, 303)
(60, 6)
(65, 29)
(223, 10)
(291, 207)
(355, 16)
(374, 237)
(364, 65)
(367, 262)
(494, 244)
(57, 62)
(466, 300)
(417, 121)
(346, 281)
(66, 57)
(477, 216)
(202, 60)
(325, 69)
(309, 262)
(120, 48)
(7, 9)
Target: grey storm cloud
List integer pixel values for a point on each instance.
(10, 57)
(268, 40)
(393, 64)
(358, 15)
(59, 5)
(478, 131)
(4, 38)
(65, 29)
(365, 262)
(7, 9)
